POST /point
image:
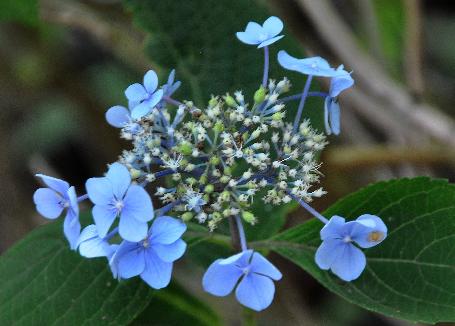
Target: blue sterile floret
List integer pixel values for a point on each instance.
(338, 84)
(338, 252)
(91, 245)
(264, 35)
(151, 258)
(249, 272)
(114, 196)
(51, 202)
(146, 96)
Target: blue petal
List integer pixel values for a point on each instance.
(137, 204)
(340, 83)
(130, 260)
(72, 228)
(220, 279)
(270, 41)
(171, 252)
(328, 252)
(103, 216)
(72, 198)
(47, 203)
(315, 66)
(273, 26)
(140, 110)
(132, 229)
(150, 81)
(368, 231)
(157, 273)
(156, 98)
(254, 28)
(166, 230)
(99, 190)
(334, 117)
(247, 38)
(120, 178)
(333, 229)
(241, 259)
(255, 292)
(58, 185)
(136, 92)
(91, 245)
(349, 264)
(261, 265)
(327, 103)
(118, 116)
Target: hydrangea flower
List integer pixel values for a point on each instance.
(50, 203)
(91, 245)
(113, 196)
(153, 257)
(256, 274)
(338, 252)
(314, 66)
(146, 96)
(331, 106)
(264, 35)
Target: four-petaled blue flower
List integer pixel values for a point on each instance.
(91, 245)
(113, 196)
(256, 274)
(331, 106)
(338, 252)
(315, 66)
(264, 35)
(153, 257)
(50, 202)
(146, 96)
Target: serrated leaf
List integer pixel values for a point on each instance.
(410, 275)
(174, 305)
(43, 282)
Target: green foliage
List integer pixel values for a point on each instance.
(43, 282)
(198, 39)
(23, 11)
(174, 305)
(410, 274)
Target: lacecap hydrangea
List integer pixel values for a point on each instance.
(217, 159)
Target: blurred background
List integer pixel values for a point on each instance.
(64, 63)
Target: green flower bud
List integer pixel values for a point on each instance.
(248, 217)
(259, 95)
(213, 101)
(214, 160)
(225, 179)
(209, 188)
(227, 170)
(185, 148)
(230, 100)
(278, 116)
(203, 179)
(186, 217)
(218, 127)
(135, 173)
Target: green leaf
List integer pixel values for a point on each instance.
(410, 275)
(24, 11)
(198, 38)
(174, 305)
(43, 282)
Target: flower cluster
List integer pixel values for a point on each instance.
(218, 159)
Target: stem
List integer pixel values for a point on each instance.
(82, 198)
(265, 76)
(310, 209)
(302, 103)
(241, 233)
(298, 96)
(172, 101)
(249, 317)
(163, 210)
(111, 234)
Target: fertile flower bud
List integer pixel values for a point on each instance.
(259, 95)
